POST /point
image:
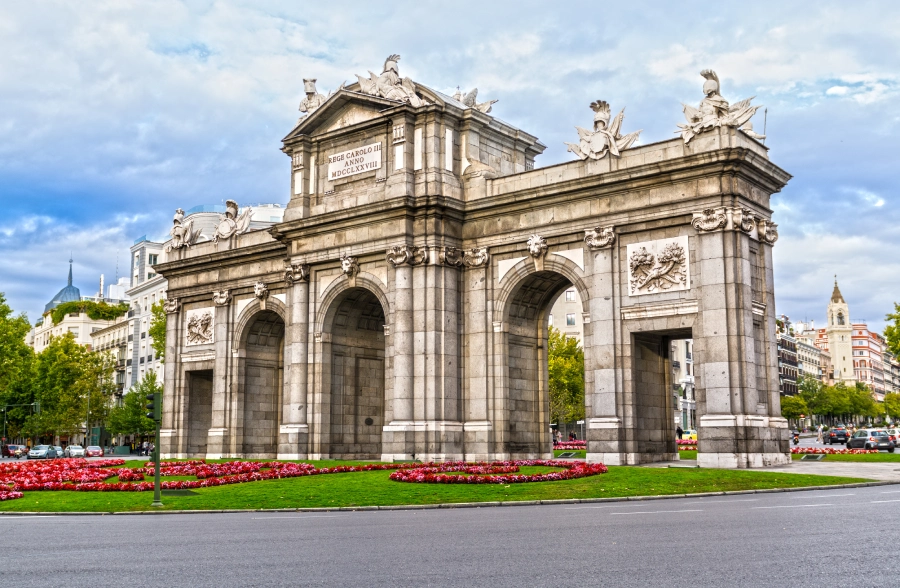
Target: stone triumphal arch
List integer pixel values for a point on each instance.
(400, 309)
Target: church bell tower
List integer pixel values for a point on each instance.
(839, 331)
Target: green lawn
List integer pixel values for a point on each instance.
(880, 457)
(579, 453)
(687, 454)
(374, 488)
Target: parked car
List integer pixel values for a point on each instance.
(10, 450)
(93, 451)
(59, 451)
(42, 452)
(894, 434)
(689, 434)
(22, 451)
(837, 434)
(871, 439)
(74, 451)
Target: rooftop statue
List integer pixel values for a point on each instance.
(183, 233)
(602, 140)
(390, 85)
(230, 224)
(469, 100)
(313, 99)
(714, 111)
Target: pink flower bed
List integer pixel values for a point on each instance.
(570, 445)
(686, 441)
(687, 448)
(82, 476)
(830, 451)
(495, 472)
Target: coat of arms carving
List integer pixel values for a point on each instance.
(658, 266)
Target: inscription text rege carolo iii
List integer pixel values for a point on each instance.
(355, 161)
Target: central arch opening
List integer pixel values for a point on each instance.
(357, 376)
(263, 383)
(529, 434)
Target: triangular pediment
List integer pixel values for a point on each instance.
(343, 109)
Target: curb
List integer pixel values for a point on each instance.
(455, 504)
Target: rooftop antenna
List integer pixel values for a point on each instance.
(765, 121)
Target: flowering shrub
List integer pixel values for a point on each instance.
(687, 448)
(83, 476)
(570, 445)
(830, 451)
(493, 473)
(686, 441)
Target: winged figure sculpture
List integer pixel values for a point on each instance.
(595, 144)
(714, 111)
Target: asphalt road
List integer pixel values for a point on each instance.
(811, 538)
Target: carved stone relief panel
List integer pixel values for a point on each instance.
(199, 326)
(658, 266)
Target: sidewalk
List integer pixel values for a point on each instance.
(884, 472)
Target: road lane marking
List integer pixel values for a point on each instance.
(891, 492)
(792, 506)
(655, 511)
(822, 496)
(723, 501)
(880, 501)
(300, 517)
(603, 506)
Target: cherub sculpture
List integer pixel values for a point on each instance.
(230, 223)
(183, 233)
(389, 84)
(469, 100)
(602, 140)
(714, 111)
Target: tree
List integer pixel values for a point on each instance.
(565, 362)
(892, 331)
(809, 388)
(130, 418)
(892, 405)
(157, 330)
(862, 402)
(72, 385)
(792, 407)
(16, 367)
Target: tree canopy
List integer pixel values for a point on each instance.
(157, 330)
(98, 311)
(892, 331)
(793, 407)
(16, 367)
(565, 361)
(130, 417)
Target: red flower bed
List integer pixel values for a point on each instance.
(494, 473)
(687, 448)
(686, 441)
(83, 476)
(830, 451)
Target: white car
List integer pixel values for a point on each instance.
(74, 451)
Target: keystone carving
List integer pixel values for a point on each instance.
(710, 219)
(349, 266)
(537, 246)
(171, 306)
(261, 291)
(451, 256)
(599, 237)
(401, 254)
(221, 297)
(476, 257)
(296, 272)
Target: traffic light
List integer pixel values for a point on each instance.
(154, 406)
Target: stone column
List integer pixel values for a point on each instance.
(604, 430)
(397, 440)
(217, 441)
(174, 420)
(735, 430)
(477, 424)
(293, 435)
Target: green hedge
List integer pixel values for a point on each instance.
(98, 311)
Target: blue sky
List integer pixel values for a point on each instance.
(112, 114)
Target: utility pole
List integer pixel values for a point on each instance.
(155, 408)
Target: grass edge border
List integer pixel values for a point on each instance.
(453, 504)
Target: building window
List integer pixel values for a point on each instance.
(570, 320)
(840, 318)
(570, 295)
(550, 320)
(152, 258)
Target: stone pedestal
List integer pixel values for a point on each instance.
(216, 443)
(293, 441)
(742, 441)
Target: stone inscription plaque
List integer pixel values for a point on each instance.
(356, 161)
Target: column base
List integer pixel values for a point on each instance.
(742, 460)
(422, 440)
(742, 441)
(293, 442)
(215, 443)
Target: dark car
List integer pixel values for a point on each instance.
(836, 435)
(10, 450)
(871, 439)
